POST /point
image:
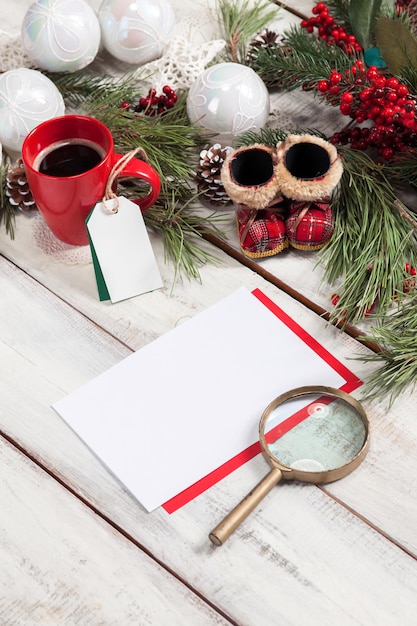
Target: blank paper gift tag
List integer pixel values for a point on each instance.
(124, 262)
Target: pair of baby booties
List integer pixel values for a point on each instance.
(281, 194)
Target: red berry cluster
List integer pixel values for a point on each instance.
(153, 104)
(367, 94)
(329, 31)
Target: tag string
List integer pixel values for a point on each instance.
(115, 172)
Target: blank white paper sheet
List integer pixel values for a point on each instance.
(177, 415)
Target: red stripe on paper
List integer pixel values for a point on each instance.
(352, 383)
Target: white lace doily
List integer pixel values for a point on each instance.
(12, 55)
(187, 55)
(57, 250)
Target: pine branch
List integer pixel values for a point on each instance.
(300, 61)
(398, 371)
(339, 9)
(403, 169)
(269, 136)
(409, 77)
(372, 241)
(7, 211)
(169, 140)
(171, 145)
(240, 21)
(374, 234)
(176, 218)
(272, 136)
(78, 88)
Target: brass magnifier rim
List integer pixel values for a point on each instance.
(324, 476)
(228, 525)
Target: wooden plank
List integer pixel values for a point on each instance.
(302, 557)
(48, 349)
(61, 564)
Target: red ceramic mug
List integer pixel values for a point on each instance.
(68, 161)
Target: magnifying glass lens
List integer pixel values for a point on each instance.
(314, 433)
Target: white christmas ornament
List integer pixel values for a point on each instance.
(27, 98)
(136, 31)
(61, 35)
(228, 99)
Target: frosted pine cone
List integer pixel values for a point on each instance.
(17, 188)
(208, 174)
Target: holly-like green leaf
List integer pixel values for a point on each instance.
(397, 44)
(362, 17)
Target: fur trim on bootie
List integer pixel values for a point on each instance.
(308, 167)
(249, 176)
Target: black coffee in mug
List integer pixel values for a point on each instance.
(69, 158)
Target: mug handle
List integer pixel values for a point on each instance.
(136, 168)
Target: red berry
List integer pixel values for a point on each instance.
(402, 90)
(365, 94)
(388, 153)
(392, 82)
(372, 72)
(335, 77)
(391, 96)
(346, 97)
(334, 89)
(379, 82)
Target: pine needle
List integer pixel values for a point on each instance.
(169, 140)
(175, 216)
(372, 241)
(82, 87)
(339, 9)
(409, 77)
(403, 170)
(7, 211)
(397, 337)
(240, 21)
(271, 136)
(301, 60)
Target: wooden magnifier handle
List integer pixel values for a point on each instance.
(229, 524)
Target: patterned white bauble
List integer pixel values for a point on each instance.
(136, 31)
(228, 99)
(61, 35)
(27, 98)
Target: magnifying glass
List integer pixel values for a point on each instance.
(313, 434)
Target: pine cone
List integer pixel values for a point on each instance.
(266, 39)
(17, 188)
(208, 174)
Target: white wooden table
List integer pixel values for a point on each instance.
(77, 549)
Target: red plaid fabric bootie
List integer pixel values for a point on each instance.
(261, 232)
(309, 225)
(249, 177)
(308, 169)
